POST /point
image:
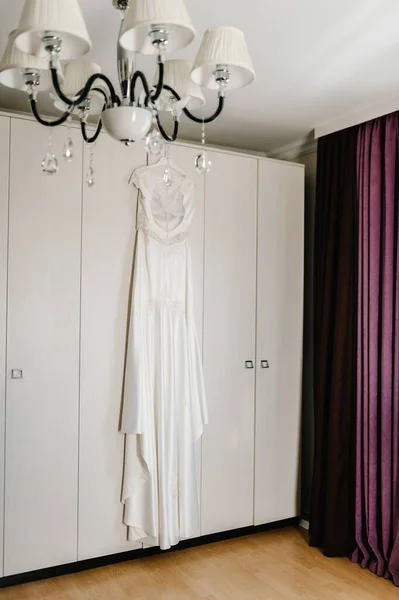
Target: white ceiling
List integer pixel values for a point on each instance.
(316, 60)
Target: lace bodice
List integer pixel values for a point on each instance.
(164, 213)
(166, 238)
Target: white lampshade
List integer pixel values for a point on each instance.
(77, 72)
(14, 63)
(60, 17)
(143, 13)
(177, 75)
(223, 46)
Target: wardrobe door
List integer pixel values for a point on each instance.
(279, 340)
(4, 173)
(229, 342)
(41, 467)
(109, 224)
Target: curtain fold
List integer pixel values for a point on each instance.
(335, 314)
(377, 434)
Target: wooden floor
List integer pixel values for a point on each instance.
(267, 566)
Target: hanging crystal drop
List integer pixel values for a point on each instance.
(90, 173)
(202, 161)
(154, 143)
(68, 152)
(167, 177)
(90, 177)
(50, 163)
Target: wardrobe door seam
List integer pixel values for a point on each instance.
(6, 339)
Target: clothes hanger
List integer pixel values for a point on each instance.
(166, 160)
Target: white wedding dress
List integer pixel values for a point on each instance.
(164, 409)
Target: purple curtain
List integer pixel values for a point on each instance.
(377, 438)
(332, 526)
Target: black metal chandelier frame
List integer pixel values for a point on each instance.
(151, 96)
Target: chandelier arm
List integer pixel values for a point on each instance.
(160, 85)
(190, 114)
(168, 138)
(91, 140)
(210, 119)
(139, 75)
(38, 118)
(86, 90)
(100, 91)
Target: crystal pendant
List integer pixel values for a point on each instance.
(202, 163)
(90, 177)
(50, 164)
(90, 180)
(167, 177)
(68, 150)
(154, 143)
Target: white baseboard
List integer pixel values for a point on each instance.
(304, 524)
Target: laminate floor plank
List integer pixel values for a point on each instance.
(277, 565)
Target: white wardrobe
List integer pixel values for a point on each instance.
(65, 271)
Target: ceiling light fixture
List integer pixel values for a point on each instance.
(55, 30)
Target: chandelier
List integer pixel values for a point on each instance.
(44, 54)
